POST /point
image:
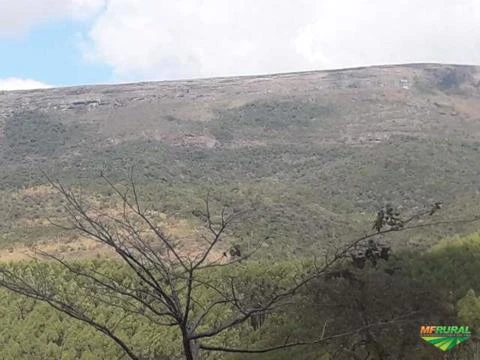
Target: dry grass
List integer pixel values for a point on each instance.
(72, 246)
(38, 191)
(80, 248)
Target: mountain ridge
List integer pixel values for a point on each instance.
(190, 80)
(300, 146)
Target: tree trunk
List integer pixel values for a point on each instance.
(188, 349)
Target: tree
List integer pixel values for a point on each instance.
(167, 284)
(352, 297)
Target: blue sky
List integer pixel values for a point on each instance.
(51, 53)
(48, 43)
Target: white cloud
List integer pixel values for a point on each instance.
(21, 84)
(160, 39)
(85, 9)
(186, 38)
(165, 39)
(381, 32)
(19, 16)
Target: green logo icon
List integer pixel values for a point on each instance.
(445, 338)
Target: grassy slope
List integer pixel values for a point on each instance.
(315, 153)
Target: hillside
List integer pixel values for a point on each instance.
(314, 154)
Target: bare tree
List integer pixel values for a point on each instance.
(168, 280)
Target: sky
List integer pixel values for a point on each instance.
(45, 43)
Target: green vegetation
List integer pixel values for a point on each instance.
(425, 283)
(305, 191)
(33, 133)
(313, 159)
(257, 120)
